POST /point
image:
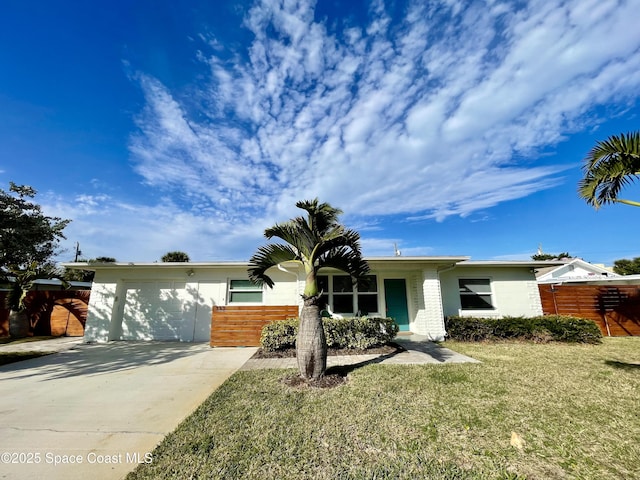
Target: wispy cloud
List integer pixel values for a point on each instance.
(439, 112)
(106, 226)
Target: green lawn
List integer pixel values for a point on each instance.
(577, 408)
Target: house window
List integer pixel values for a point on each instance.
(368, 294)
(343, 296)
(475, 294)
(243, 291)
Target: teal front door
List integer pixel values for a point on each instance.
(395, 295)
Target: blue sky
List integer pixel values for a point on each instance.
(447, 127)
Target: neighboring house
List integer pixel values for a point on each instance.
(576, 270)
(581, 289)
(175, 301)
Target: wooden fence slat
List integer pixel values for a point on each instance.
(614, 308)
(234, 326)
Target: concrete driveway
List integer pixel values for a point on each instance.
(96, 411)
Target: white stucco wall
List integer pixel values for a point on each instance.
(514, 291)
(156, 302)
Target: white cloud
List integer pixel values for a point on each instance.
(105, 226)
(428, 116)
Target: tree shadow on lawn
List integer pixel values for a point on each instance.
(623, 365)
(335, 375)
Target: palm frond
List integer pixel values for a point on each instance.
(344, 258)
(266, 257)
(321, 216)
(295, 232)
(611, 165)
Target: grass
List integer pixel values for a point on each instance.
(12, 357)
(7, 340)
(575, 406)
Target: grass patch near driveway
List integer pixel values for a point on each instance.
(12, 357)
(15, 341)
(575, 406)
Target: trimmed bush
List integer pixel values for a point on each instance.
(279, 335)
(542, 329)
(357, 333)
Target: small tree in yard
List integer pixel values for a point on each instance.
(26, 234)
(28, 241)
(316, 241)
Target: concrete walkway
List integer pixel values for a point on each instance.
(96, 411)
(419, 351)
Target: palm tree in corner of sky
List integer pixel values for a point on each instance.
(611, 165)
(315, 242)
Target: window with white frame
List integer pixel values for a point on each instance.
(243, 291)
(475, 294)
(367, 294)
(342, 296)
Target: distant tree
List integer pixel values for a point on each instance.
(175, 257)
(26, 234)
(627, 267)
(550, 256)
(608, 167)
(103, 260)
(75, 275)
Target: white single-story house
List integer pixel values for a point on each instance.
(175, 301)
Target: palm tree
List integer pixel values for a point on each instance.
(611, 165)
(316, 241)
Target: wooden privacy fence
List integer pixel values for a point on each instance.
(51, 312)
(614, 308)
(241, 326)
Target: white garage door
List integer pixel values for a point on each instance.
(168, 310)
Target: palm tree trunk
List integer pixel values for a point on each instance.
(18, 324)
(311, 345)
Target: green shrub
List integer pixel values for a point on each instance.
(538, 329)
(357, 333)
(279, 335)
(572, 329)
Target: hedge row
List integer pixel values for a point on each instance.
(542, 329)
(357, 332)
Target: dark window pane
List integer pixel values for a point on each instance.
(342, 283)
(324, 301)
(323, 283)
(367, 304)
(368, 284)
(343, 303)
(476, 302)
